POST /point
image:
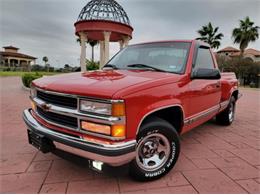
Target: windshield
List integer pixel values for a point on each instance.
(167, 57)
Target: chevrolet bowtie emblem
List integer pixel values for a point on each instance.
(46, 107)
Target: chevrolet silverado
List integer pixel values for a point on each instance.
(135, 109)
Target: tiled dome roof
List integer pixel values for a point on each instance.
(108, 10)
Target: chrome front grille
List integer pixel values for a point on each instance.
(58, 118)
(69, 102)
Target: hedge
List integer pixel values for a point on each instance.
(27, 78)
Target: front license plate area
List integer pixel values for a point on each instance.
(40, 142)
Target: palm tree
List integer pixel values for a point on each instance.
(245, 33)
(45, 59)
(92, 43)
(209, 35)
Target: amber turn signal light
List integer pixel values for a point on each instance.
(118, 109)
(96, 128)
(118, 131)
(33, 105)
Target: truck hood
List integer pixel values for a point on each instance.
(102, 84)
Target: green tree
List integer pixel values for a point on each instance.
(246, 70)
(66, 66)
(210, 35)
(45, 59)
(245, 33)
(91, 65)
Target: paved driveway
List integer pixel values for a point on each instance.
(214, 159)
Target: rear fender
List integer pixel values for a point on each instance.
(227, 90)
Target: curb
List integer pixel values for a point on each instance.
(25, 88)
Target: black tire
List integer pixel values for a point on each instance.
(227, 116)
(155, 129)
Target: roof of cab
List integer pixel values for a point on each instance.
(201, 43)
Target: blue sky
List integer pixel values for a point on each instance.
(46, 27)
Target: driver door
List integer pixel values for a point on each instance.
(204, 94)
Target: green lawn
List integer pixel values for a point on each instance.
(10, 73)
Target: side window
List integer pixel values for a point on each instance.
(204, 59)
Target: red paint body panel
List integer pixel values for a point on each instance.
(100, 84)
(147, 91)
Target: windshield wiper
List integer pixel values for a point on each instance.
(145, 66)
(111, 66)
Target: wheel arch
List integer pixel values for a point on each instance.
(235, 93)
(175, 118)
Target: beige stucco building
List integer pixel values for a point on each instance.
(11, 58)
(231, 52)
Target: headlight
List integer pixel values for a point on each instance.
(95, 107)
(33, 92)
(111, 109)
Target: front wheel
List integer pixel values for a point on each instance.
(227, 116)
(157, 150)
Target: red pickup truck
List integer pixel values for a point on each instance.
(134, 109)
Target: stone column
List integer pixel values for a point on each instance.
(121, 44)
(126, 40)
(83, 40)
(8, 62)
(11, 62)
(106, 45)
(102, 51)
(29, 65)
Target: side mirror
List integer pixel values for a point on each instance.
(206, 73)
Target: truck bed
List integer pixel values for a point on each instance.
(229, 83)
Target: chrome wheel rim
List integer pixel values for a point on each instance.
(153, 152)
(231, 112)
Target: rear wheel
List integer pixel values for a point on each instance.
(227, 116)
(157, 150)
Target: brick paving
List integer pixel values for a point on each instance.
(214, 159)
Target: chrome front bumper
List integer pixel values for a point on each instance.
(113, 154)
